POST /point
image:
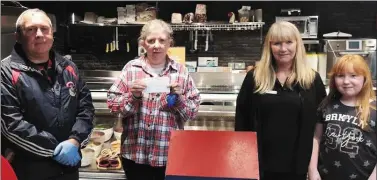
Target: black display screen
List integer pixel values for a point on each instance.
(354, 44)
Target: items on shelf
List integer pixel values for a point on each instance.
(90, 18)
(176, 18)
(232, 17)
(244, 14)
(188, 18)
(144, 13)
(200, 13)
(126, 14)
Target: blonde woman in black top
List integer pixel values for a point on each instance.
(278, 100)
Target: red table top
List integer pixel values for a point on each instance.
(7, 172)
(222, 154)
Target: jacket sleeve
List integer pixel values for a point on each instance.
(119, 98)
(83, 126)
(187, 105)
(17, 128)
(244, 120)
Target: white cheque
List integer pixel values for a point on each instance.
(157, 85)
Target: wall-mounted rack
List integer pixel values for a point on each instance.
(245, 26)
(218, 26)
(193, 26)
(209, 26)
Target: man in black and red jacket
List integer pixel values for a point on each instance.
(46, 108)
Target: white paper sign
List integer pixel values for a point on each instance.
(157, 85)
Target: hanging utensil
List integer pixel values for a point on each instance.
(207, 34)
(211, 44)
(127, 44)
(113, 42)
(116, 39)
(196, 40)
(192, 50)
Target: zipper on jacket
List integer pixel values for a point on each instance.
(55, 90)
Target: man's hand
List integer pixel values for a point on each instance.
(67, 153)
(74, 141)
(137, 87)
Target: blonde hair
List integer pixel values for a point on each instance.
(21, 19)
(360, 67)
(264, 73)
(156, 25)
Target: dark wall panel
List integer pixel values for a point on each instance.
(357, 18)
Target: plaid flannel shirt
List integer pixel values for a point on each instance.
(147, 122)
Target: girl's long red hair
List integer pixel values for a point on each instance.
(358, 64)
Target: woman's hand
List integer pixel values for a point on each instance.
(137, 88)
(175, 88)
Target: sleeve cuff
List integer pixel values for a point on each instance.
(75, 138)
(131, 98)
(136, 98)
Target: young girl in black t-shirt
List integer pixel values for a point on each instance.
(344, 145)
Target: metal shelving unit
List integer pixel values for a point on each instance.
(218, 26)
(210, 26)
(244, 26)
(192, 26)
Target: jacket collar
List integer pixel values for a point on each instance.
(20, 61)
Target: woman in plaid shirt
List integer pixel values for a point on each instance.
(148, 118)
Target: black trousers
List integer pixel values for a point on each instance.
(46, 169)
(282, 176)
(135, 171)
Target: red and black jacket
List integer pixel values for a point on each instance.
(40, 109)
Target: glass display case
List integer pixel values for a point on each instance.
(101, 157)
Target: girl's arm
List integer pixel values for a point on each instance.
(316, 143)
(374, 174)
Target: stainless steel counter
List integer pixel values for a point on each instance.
(84, 175)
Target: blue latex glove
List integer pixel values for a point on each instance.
(67, 153)
(171, 98)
